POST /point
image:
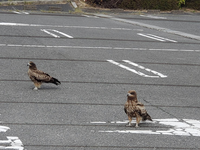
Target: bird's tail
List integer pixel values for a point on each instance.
(146, 117)
(55, 81)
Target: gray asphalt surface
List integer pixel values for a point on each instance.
(86, 110)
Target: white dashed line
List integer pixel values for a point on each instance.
(99, 47)
(90, 47)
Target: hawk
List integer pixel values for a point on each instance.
(133, 108)
(38, 77)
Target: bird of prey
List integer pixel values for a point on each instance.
(133, 108)
(38, 77)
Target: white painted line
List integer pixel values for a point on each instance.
(54, 35)
(154, 17)
(98, 122)
(183, 127)
(56, 31)
(25, 12)
(106, 48)
(155, 37)
(90, 16)
(69, 36)
(4, 128)
(12, 143)
(16, 12)
(151, 37)
(147, 69)
(162, 38)
(20, 12)
(131, 70)
(60, 26)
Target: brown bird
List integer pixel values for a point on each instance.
(133, 108)
(38, 77)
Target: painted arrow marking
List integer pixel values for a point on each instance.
(158, 75)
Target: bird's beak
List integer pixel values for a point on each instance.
(28, 64)
(128, 94)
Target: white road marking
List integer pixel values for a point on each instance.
(155, 37)
(16, 12)
(20, 12)
(54, 35)
(60, 26)
(98, 47)
(69, 36)
(149, 70)
(154, 17)
(184, 127)
(4, 128)
(162, 38)
(90, 16)
(56, 31)
(98, 122)
(13, 142)
(158, 75)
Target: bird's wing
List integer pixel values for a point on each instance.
(39, 76)
(125, 107)
(140, 108)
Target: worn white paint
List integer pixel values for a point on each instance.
(61, 26)
(166, 39)
(99, 47)
(98, 122)
(182, 127)
(4, 128)
(158, 75)
(49, 31)
(155, 37)
(154, 17)
(90, 16)
(12, 142)
(20, 12)
(147, 69)
(69, 36)
(46, 31)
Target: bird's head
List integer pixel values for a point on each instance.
(132, 95)
(32, 65)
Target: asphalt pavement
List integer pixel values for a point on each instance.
(98, 58)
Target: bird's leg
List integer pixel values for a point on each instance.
(37, 85)
(129, 123)
(138, 119)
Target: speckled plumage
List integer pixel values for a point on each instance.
(133, 108)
